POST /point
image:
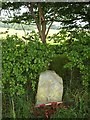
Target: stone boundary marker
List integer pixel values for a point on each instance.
(50, 88)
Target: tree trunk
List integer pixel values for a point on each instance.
(40, 21)
(42, 24)
(43, 38)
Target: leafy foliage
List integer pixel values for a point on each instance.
(22, 64)
(76, 46)
(66, 12)
(79, 53)
(24, 61)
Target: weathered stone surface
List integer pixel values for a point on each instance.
(50, 88)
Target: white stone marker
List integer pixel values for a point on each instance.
(50, 88)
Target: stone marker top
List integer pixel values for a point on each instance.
(51, 75)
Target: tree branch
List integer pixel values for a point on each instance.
(71, 20)
(39, 9)
(41, 18)
(50, 26)
(33, 15)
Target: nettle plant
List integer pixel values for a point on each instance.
(23, 62)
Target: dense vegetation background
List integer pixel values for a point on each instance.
(67, 53)
(22, 63)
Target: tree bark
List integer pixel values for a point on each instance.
(42, 24)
